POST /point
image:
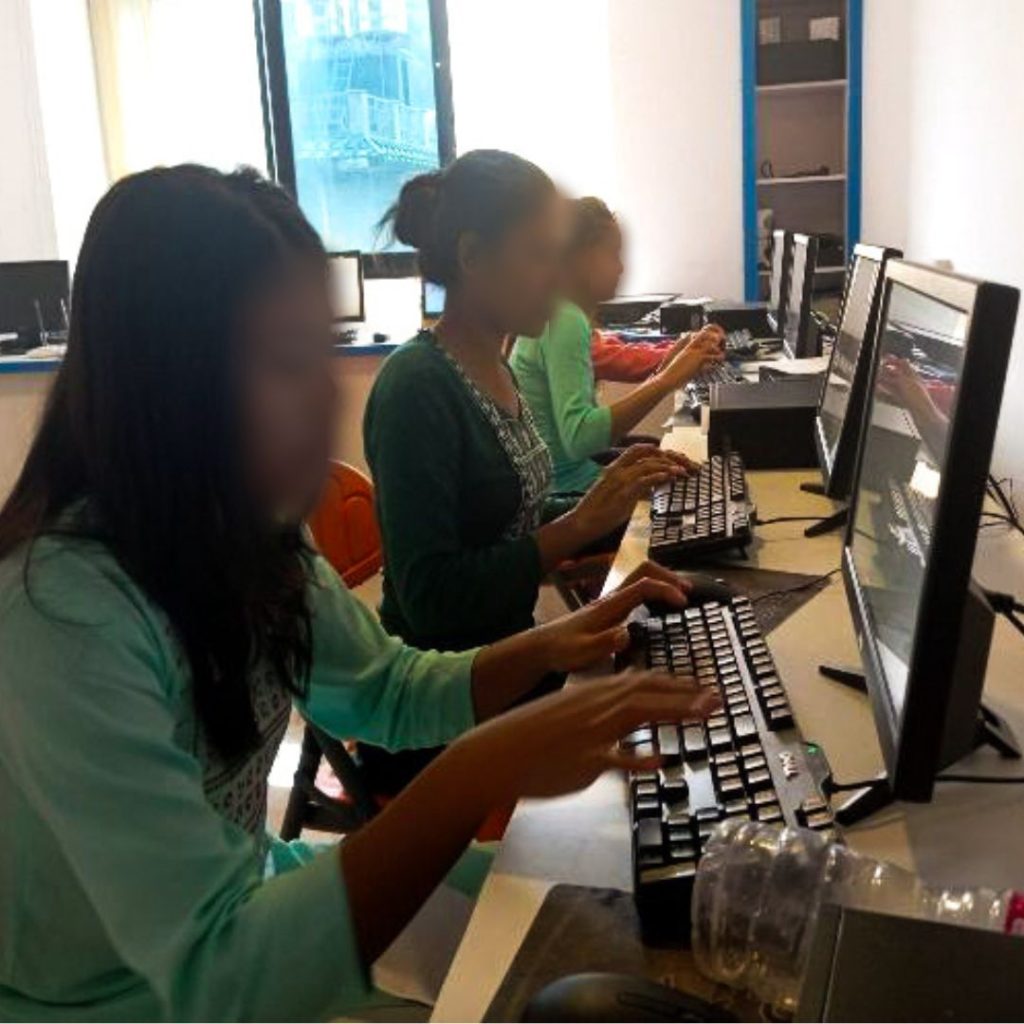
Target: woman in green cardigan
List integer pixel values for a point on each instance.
(462, 476)
(160, 611)
(555, 368)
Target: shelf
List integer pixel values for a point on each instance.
(805, 179)
(822, 85)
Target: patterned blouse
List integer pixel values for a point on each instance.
(522, 443)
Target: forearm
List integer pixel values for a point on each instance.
(629, 411)
(393, 863)
(561, 539)
(504, 672)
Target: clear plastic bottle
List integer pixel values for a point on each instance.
(759, 888)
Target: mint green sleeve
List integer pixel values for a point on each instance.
(368, 685)
(584, 427)
(123, 841)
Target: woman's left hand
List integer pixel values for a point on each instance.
(598, 630)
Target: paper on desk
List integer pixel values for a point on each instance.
(416, 963)
(813, 364)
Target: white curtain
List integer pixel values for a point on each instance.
(177, 81)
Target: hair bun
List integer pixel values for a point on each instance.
(415, 214)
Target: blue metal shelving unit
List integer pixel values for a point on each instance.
(854, 30)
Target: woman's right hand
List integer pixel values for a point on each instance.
(562, 742)
(610, 500)
(702, 349)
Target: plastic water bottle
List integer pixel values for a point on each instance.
(759, 888)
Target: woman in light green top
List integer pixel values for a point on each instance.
(159, 613)
(555, 371)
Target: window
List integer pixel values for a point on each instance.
(357, 101)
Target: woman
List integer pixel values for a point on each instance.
(462, 476)
(160, 611)
(555, 369)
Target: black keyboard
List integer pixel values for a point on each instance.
(748, 761)
(701, 514)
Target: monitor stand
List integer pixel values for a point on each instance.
(993, 731)
(827, 523)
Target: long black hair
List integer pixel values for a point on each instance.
(139, 445)
(485, 192)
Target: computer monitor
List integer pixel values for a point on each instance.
(432, 300)
(778, 279)
(837, 425)
(799, 332)
(34, 296)
(345, 286)
(923, 628)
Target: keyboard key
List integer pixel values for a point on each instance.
(668, 742)
(648, 807)
(761, 779)
(694, 747)
(648, 834)
(744, 727)
(720, 739)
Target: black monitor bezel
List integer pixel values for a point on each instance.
(804, 348)
(353, 254)
(837, 470)
(778, 313)
(50, 264)
(915, 745)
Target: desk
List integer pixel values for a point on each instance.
(968, 834)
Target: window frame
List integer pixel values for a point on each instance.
(277, 123)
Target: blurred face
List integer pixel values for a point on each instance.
(516, 282)
(597, 268)
(288, 393)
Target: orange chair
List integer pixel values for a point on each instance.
(344, 526)
(345, 529)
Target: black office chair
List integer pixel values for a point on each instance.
(310, 807)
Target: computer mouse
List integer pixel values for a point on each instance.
(703, 589)
(617, 997)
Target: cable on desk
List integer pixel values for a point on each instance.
(787, 519)
(800, 586)
(988, 780)
(1001, 491)
(831, 787)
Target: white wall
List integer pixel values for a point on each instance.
(637, 101)
(943, 148)
(27, 228)
(72, 138)
(676, 142)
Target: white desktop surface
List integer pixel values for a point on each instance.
(969, 834)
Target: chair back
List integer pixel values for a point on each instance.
(344, 525)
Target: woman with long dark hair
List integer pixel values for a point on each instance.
(160, 611)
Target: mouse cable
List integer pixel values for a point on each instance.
(1001, 492)
(831, 787)
(787, 519)
(800, 586)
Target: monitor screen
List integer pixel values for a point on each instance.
(846, 355)
(921, 351)
(433, 300)
(775, 277)
(33, 295)
(798, 269)
(345, 285)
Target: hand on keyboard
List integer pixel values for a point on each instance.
(596, 631)
(562, 742)
(702, 349)
(632, 476)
